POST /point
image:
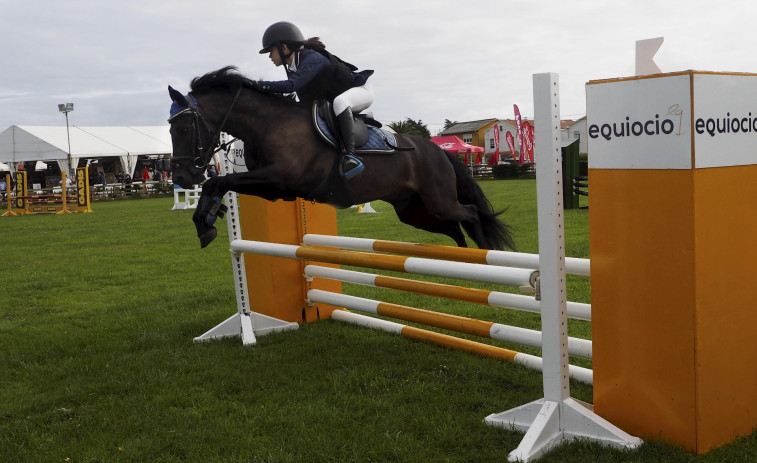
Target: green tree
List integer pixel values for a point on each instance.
(448, 123)
(411, 127)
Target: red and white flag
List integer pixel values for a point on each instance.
(533, 132)
(495, 158)
(511, 144)
(519, 129)
(528, 136)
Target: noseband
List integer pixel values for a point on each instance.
(201, 156)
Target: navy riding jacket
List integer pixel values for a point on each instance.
(317, 75)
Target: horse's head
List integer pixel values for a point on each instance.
(192, 140)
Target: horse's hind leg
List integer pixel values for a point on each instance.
(413, 212)
(441, 205)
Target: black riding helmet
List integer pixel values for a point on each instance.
(281, 32)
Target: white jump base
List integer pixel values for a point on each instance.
(186, 199)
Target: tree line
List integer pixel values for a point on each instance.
(412, 127)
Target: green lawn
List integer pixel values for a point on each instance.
(97, 316)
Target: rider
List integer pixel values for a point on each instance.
(314, 74)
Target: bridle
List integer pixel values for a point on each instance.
(200, 155)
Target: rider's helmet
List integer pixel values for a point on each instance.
(281, 32)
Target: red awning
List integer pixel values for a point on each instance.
(454, 145)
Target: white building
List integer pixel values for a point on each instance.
(576, 131)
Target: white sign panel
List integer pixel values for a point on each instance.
(725, 120)
(640, 123)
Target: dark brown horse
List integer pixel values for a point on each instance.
(429, 188)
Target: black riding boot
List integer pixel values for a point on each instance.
(350, 166)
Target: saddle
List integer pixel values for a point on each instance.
(369, 136)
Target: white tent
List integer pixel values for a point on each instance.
(39, 143)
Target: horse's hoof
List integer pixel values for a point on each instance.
(208, 237)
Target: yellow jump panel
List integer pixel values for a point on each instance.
(642, 263)
(726, 306)
(276, 285)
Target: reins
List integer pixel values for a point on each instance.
(203, 155)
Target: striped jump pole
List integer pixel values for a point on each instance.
(576, 310)
(574, 265)
(576, 347)
(522, 278)
(581, 374)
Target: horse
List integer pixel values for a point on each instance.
(429, 188)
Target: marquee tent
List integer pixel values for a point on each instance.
(42, 143)
(453, 145)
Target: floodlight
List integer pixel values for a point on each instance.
(65, 108)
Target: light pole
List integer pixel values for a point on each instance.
(66, 108)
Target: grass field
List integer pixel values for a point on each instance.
(97, 316)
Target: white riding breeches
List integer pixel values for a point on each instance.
(357, 98)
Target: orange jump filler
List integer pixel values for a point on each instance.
(673, 214)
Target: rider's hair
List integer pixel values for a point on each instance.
(315, 43)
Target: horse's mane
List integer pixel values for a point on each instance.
(227, 78)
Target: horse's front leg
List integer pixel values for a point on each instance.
(209, 208)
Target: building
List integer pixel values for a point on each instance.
(576, 130)
(470, 132)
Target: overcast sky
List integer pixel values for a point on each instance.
(434, 60)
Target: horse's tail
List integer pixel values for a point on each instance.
(496, 233)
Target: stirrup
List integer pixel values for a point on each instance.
(358, 169)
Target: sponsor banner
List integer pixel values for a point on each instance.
(511, 144)
(674, 121)
(533, 134)
(82, 188)
(519, 129)
(21, 189)
(494, 159)
(237, 154)
(496, 140)
(528, 137)
(639, 123)
(725, 120)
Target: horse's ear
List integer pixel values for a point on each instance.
(178, 97)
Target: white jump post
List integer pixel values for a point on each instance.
(244, 323)
(557, 416)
